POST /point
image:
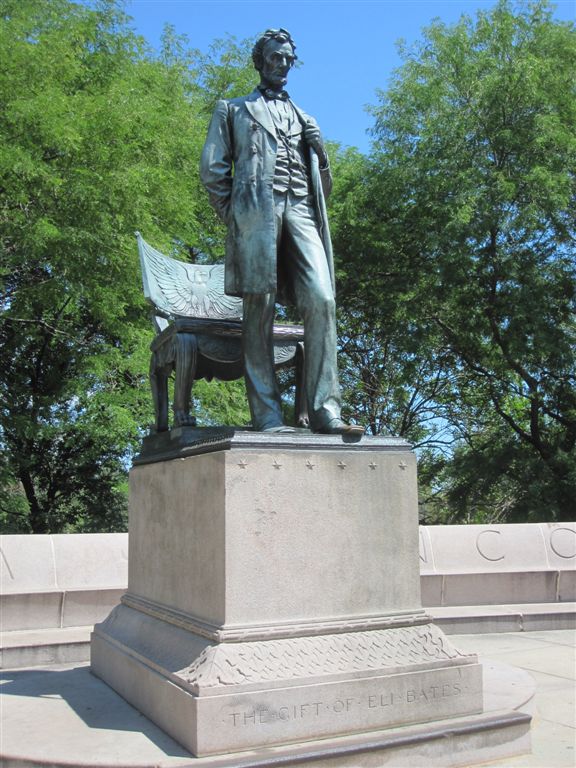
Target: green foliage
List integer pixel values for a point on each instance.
(459, 250)
(221, 402)
(98, 138)
(223, 72)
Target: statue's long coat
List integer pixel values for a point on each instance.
(237, 169)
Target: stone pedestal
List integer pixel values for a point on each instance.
(274, 594)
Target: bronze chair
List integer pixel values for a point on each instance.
(199, 334)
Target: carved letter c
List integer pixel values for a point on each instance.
(491, 557)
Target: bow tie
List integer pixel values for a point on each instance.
(272, 95)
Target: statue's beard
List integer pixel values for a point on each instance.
(275, 81)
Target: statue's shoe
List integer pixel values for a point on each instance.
(339, 427)
(281, 429)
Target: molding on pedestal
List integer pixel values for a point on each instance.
(208, 668)
(181, 442)
(240, 634)
(407, 649)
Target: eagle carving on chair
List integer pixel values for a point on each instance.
(186, 290)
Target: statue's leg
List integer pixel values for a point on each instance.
(258, 355)
(300, 404)
(315, 299)
(186, 360)
(159, 387)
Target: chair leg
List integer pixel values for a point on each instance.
(159, 387)
(186, 360)
(301, 403)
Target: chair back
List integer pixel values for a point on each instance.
(179, 290)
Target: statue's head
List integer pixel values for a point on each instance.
(273, 56)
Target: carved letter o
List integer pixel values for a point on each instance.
(562, 545)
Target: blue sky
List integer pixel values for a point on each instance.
(347, 47)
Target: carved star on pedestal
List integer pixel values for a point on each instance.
(342, 464)
(402, 464)
(372, 465)
(276, 464)
(242, 464)
(310, 464)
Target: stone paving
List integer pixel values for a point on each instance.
(550, 657)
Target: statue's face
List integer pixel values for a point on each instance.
(277, 60)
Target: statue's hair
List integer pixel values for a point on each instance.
(280, 35)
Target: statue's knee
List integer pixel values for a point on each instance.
(326, 304)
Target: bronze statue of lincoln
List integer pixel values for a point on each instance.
(267, 173)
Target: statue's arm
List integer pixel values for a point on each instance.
(314, 139)
(216, 162)
(326, 179)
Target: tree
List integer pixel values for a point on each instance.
(463, 240)
(98, 137)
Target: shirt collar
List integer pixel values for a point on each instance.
(270, 95)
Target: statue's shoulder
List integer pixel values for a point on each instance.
(240, 101)
(305, 116)
(226, 108)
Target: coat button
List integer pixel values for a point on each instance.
(254, 150)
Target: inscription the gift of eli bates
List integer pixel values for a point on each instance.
(312, 709)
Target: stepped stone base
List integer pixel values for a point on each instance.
(84, 723)
(274, 597)
(214, 698)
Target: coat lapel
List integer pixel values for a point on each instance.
(256, 105)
